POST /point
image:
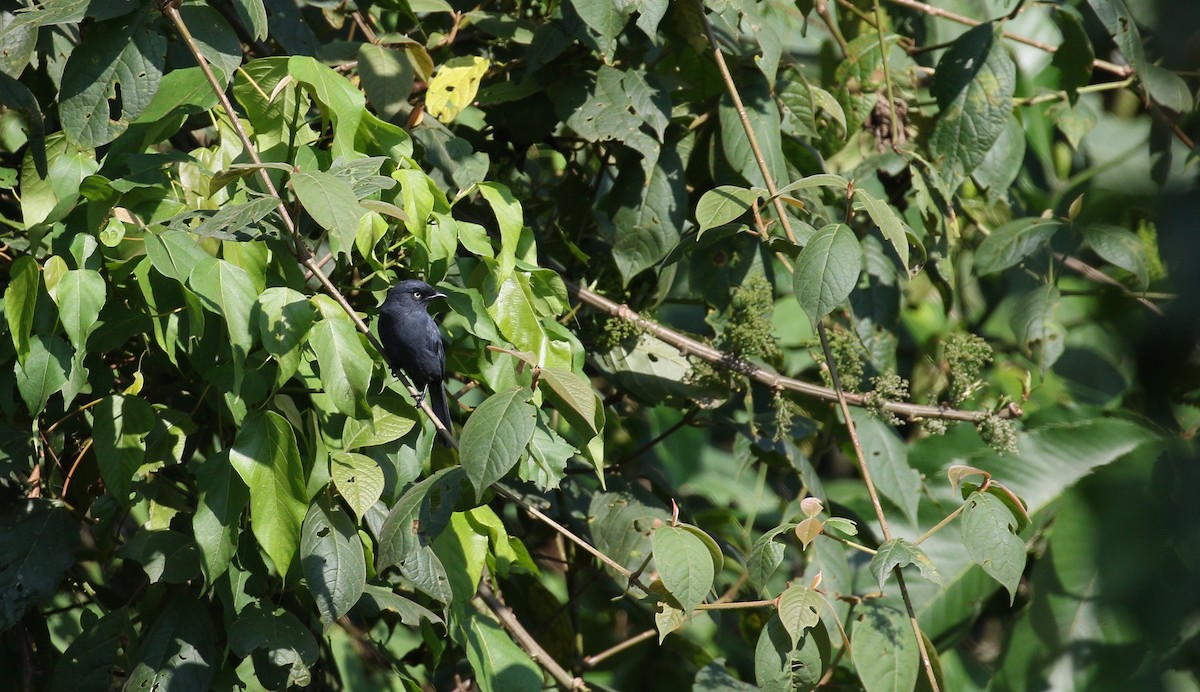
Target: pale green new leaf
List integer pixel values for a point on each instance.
(80, 294)
(331, 202)
(684, 564)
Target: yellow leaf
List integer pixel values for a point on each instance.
(454, 87)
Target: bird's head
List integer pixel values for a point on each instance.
(412, 293)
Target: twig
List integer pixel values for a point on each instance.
(687, 418)
(1119, 70)
(593, 660)
(1078, 265)
(692, 347)
(526, 640)
(940, 525)
(303, 254)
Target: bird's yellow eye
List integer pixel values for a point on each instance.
(417, 295)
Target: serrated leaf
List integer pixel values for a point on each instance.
(266, 457)
(899, 553)
(895, 231)
(332, 559)
(684, 564)
(722, 205)
(495, 436)
(827, 270)
(974, 86)
(765, 557)
(988, 533)
(358, 479)
(1013, 242)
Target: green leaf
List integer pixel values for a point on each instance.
(498, 663)
(119, 429)
(88, 662)
(1164, 86)
(339, 100)
(887, 460)
(80, 294)
(899, 553)
(987, 532)
(227, 290)
(1013, 242)
(391, 419)
(645, 213)
(358, 479)
(546, 463)
(167, 556)
(266, 457)
(510, 219)
(495, 436)
(765, 557)
(827, 270)
(116, 69)
(799, 610)
(684, 564)
(332, 204)
(290, 646)
(345, 365)
(387, 78)
(973, 85)
(763, 115)
(332, 559)
(1035, 324)
(179, 650)
(722, 205)
(50, 197)
(1002, 163)
(379, 599)
(781, 666)
(20, 302)
(284, 318)
(884, 648)
(573, 397)
(44, 372)
(217, 521)
(174, 254)
(516, 315)
(1072, 62)
(895, 231)
(38, 542)
(1121, 248)
(463, 552)
(605, 17)
(418, 517)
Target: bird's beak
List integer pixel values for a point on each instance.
(435, 295)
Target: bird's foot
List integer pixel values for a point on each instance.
(421, 396)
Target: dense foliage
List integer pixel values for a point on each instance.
(819, 344)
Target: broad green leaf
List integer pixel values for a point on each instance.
(895, 231)
(391, 419)
(763, 115)
(227, 290)
(495, 436)
(1013, 242)
(820, 180)
(498, 663)
(115, 71)
(714, 550)
(722, 205)
(987, 532)
(80, 294)
(214, 38)
(781, 666)
(358, 479)
(463, 551)
(516, 315)
(827, 270)
(174, 254)
(510, 220)
(238, 221)
(1035, 324)
(290, 646)
(684, 564)
(120, 426)
(387, 78)
(179, 650)
(667, 619)
(44, 372)
(38, 542)
(425, 570)
(217, 521)
(573, 397)
(715, 678)
(887, 460)
(899, 553)
(648, 97)
(331, 557)
(1002, 163)
(254, 17)
(884, 648)
(765, 557)
(605, 17)
(379, 598)
(974, 86)
(284, 318)
(1120, 247)
(546, 463)
(799, 610)
(646, 213)
(340, 101)
(418, 517)
(621, 524)
(344, 363)
(1164, 86)
(166, 556)
(89, 661)
(50, 197)
(20, 302)
(332, 204)
(266, 457)
(454, 86)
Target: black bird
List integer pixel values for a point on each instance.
(411, 341)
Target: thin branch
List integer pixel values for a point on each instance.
(691, 347)
(940, 525)
(594, 660)
(879, 514)
(687, 418)
(736, 605)
(1078, 265)
(303, 254)
(526, 640)
(1119, 70)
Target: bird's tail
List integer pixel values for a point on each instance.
(437, 401)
